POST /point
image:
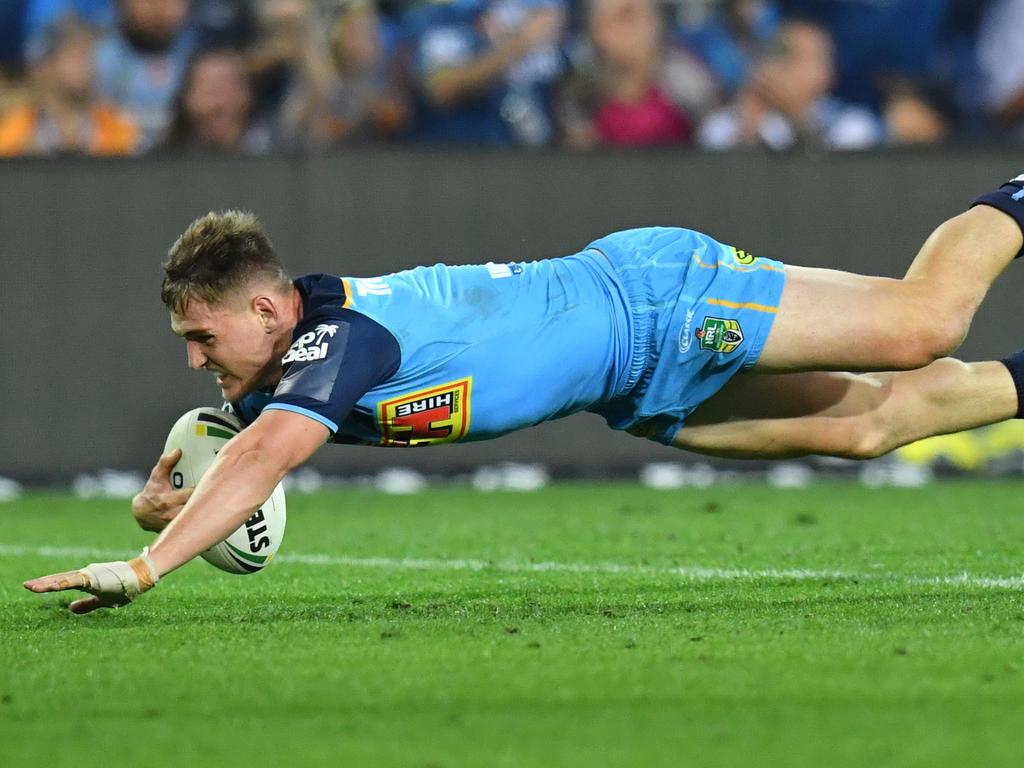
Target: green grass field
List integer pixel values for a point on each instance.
(586, 625)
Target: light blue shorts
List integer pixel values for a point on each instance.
(701, 312)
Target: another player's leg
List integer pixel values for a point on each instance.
(832, 320)
(850, 415)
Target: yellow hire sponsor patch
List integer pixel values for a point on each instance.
(434, 415)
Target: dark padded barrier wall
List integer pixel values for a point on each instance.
(92, 377)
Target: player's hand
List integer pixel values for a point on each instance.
(159, 502)
(110, 584)
(543, 27)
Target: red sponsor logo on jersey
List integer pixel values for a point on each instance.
(436, 415)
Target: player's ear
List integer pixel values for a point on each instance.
(266, 311)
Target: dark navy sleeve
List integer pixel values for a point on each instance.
(334, 360)
(249, 407)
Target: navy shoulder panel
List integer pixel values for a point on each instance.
(336, 356)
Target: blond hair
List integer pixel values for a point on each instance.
(218, 254)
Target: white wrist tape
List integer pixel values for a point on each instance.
(145, 559)
(119, 582)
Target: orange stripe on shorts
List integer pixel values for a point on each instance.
(740, 305)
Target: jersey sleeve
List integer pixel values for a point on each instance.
(333, 362)
(249, 407)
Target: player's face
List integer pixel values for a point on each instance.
(231, 341)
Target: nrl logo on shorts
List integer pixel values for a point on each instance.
(720, 335)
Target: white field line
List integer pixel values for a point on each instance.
(685, 573)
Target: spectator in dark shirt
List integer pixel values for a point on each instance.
(214, 109)
(485, 71)
(224, 23)
(362, 99)
(727, 35)
(878, 38)
(11, 49)
(290, 63)
(12, 37)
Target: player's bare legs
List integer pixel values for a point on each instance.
(832, 320)
(844, 414)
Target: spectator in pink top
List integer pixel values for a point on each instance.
(652, 119)
(636, 90)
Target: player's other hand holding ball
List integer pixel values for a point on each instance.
(159, 501)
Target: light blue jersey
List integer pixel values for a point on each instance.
(640, 327)
(493, 348)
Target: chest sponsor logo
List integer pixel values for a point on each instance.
(435, 415)
(310, 346)
(720, 335)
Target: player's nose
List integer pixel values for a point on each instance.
(196, 358)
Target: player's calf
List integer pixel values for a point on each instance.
(852, 416)
(945, 396)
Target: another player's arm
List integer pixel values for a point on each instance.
(449, 85)
(242, 478)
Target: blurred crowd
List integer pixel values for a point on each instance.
(130, 77)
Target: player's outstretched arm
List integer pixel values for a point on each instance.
(244, 475)
(110, 584)
(240, 480)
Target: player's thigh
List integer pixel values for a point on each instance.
(841, 321)
(789, 414)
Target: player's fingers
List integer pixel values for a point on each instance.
(57, 582)
(176, 499)
(165, 463)
(85, 605)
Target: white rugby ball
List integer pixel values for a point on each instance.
(200, 434)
